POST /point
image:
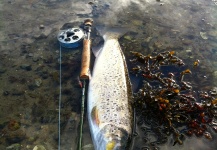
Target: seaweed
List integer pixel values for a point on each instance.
(166, 104)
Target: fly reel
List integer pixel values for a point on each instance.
(71, 38)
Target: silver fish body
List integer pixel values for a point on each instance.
(109, 98)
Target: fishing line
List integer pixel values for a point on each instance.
(69, 38)
(60, 99)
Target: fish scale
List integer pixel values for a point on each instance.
(109, 95)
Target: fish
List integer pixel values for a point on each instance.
(109, 105)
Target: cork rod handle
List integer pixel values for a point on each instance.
(85, 64)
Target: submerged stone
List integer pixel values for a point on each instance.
(26, 67)
(39, 147)
(213, 33)
(13, 125)
(41, 26)
(15, 136)
(30, 55)
(38, 82)
(35, 58)
(127, 37)
(204, 35)
(88, 147)
(213, 92)
(148, 39)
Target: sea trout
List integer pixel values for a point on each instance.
(109, 97)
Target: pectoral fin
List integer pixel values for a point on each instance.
(95, 116)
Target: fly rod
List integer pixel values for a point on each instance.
(85, 69)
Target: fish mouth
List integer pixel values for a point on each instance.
(110, 144)
(112, 138)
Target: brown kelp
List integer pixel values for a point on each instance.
(166, 104)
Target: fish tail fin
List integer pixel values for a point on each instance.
(111, 32)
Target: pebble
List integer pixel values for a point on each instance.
(148, 39)
(30, 55)
(13, 125)
(90, 3)
(208, 135)
(39, 147)
(25, 47)
(15, 136)
(14, 147)
(186, 41)
(213, 33)
(31, 139)
(38, 82)
(188, 51)
(26, 67)
(213, 92)
(127, 37)
(41, 26)
(28, 147)
(88, 147)
(35, 59)
(204, 35)
(158, 44)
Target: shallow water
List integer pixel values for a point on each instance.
(29, 60)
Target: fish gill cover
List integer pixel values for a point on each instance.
(167, 105)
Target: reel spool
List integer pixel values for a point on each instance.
(71, 38)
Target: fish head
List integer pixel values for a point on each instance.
(112, 137)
